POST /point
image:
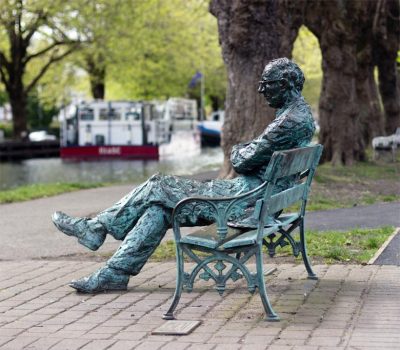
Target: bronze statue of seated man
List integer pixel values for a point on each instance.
(142, 217)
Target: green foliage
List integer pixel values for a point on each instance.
(307, 54)
(28, 192)
(3, 97)
(40, 115)
(172, 40)
(7, 128)
(149, 49)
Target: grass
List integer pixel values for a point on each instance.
(364, 183)
(359, 172)
(28, 192)
(357, 246)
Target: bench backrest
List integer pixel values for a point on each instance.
(289, 175)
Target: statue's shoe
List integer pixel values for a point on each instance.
(102, 280)
(89, 232)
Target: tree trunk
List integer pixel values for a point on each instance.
(18, 102)
(18, 98)
(387, 33)
(369, 109)
(349, 109)
(338, 107)
(251, 33)
(97, 77)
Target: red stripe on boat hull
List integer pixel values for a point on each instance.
(101, 152)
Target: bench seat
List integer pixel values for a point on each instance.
(207, 236)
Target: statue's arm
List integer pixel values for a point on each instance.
(248, 157)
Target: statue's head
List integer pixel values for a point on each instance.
(280, 80)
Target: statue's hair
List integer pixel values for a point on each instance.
(288, 70)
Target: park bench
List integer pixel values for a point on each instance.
(384, 144)
(220, 251)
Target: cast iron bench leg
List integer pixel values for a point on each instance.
(169, 315)
(311, 273)
(270, 313)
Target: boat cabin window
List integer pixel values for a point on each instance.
(86, 113)
(132, 115)
(110, 113)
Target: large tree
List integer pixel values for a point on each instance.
(251, 33)
(33, 31)
(104, 23)
(353, 41)
(355, 36)
(386, 30)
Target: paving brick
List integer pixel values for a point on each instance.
(70, 344)
(291, 342)
(202, 347)
(130, 335)
(4, 340)
(227, 347)
(194, 337)
(124, 345)
(7, 332)
(150, 345)
(280, 347)
(43, 344)
(98, 345)
(19, 343)
(329, 341)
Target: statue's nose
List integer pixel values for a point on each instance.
(261, 88)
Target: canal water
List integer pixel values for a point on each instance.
(32, 171)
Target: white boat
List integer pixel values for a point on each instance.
(118, 129)
(211, 129)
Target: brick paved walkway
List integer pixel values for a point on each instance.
(350, 307)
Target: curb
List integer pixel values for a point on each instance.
(383, 247)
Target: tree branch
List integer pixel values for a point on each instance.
(34, 26)
(47, 49)
(4, 63)
(44, 69)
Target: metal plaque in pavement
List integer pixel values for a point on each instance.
(176, 327)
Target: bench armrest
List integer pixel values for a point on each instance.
(213, 209)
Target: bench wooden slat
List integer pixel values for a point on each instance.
(285, 198)
(207, 236)
(295, 161)
(250, 237)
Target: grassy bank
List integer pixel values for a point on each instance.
(357, 246)
(28, 192)
(361, 184)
